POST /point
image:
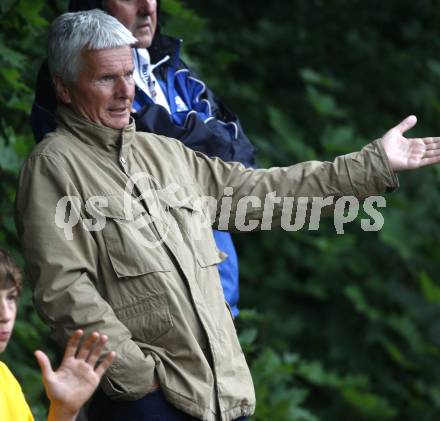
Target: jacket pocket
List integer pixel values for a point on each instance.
(133, 245)
(209, 256)
(147, 319)
(193, 221)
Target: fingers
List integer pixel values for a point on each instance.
(431, 143)
(87, 347)
(101, 368)
(430, 161)
(427, 146)
(97, 350)
(44, 363)
(431, 153)
(406, 124)
(73, 343)
(90, 351)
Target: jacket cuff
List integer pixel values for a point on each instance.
(370, 172)
(128, 380)
(393, 176)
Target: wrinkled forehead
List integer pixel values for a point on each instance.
(102, 61)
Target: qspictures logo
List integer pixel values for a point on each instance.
(227, 212)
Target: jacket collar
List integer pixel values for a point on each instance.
(163, 45)
(94, 134)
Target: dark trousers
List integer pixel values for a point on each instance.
(152, 407)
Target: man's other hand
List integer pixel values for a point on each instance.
(409, 154)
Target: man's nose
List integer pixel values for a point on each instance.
(146, 7)
(125, 87)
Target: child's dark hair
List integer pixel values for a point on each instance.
(10, 273)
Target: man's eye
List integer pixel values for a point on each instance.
(106, 78)
(13, 297)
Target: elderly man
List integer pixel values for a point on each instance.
(146, 275)
(170, 101)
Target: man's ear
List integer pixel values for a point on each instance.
(62, 90)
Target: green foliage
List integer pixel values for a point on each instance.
(310, 80)
(22, 46)
(181, 20)
(334, 326)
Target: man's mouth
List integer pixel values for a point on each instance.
(119, 110)
(144, 25)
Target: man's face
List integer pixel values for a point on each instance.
(104, 89)
(8, 311)
(139, 16)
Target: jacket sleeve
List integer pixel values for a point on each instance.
(360, 174)
(61, 269)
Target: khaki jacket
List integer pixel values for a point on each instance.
(149, 278)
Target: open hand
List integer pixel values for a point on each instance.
(409, 154)
(69, 387)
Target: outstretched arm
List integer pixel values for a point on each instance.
(409, 154)
(69, 387)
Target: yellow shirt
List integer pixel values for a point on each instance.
(13, 406)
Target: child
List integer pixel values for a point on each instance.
(67, 388)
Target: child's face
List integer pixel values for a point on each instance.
(8, 311)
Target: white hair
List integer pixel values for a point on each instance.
(70, 33)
